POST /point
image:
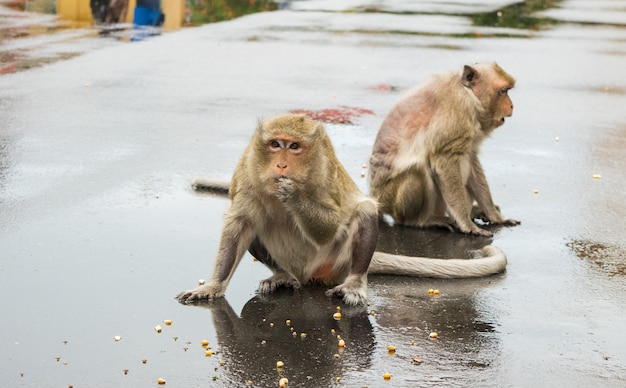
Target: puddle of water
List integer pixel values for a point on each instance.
(609, 258)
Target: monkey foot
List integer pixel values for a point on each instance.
(278, 280)
(480, 232)
(351, 296)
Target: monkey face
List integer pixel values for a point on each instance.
(503, 106)
(284, 152)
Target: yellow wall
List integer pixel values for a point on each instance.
(174, 11)
(80, 10)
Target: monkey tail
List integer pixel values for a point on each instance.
(211, 186)
(492, 261)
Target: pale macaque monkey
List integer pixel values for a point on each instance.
(424, 168)
(295, 209)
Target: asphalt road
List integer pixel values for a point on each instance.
(99, 229)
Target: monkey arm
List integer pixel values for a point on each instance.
(237, 236)
(479, 190)
(318, 220)
(317, 214)
(448, 173)
(364, 232)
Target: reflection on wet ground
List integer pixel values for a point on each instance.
(203, 11)
(31, 35)
(298, 328)
(518, 15)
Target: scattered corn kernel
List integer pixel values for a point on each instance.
(387, 376)
(536, 191)
(144, 361)
(596, 176)
(158, 328)
(435, 292)
(208, 353)
(201, 281)
(280, 364)
(417, 360)
(282, 383)
(160, 381)
(434, 335)
(430, 291)
(125, 371)
(168, 322)
(117, 338)
(341, 343)
(391, 348)
(204, 343)
(337, 316)
(288, 322)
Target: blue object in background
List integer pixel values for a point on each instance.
(148, 13)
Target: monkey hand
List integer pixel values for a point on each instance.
(208, 291)
(279, 279)
(285, 189)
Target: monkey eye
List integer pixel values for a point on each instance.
(274, 144)
(503, 91)
(294, 146)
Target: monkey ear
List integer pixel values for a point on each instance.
(469, 77)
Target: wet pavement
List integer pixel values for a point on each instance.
(99, 229)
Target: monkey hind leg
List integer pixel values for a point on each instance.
(411, 200)
(279, 279)
(353, 290)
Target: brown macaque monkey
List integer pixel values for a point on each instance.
(424, 168)
(295, 209)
